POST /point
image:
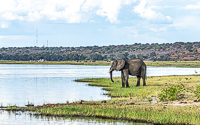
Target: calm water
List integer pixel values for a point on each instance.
(39, 84)
(26, 118)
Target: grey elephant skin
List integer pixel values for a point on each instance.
(135, 67)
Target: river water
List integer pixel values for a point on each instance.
(42, 84)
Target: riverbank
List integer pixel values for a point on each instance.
(104, 63)
(134, 103)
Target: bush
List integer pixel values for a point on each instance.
(172, 93)
(149, 99)
(197, 92)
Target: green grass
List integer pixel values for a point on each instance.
(154, 85)
(174, 64)
(148, 63)
(132, 103)
(149, 113)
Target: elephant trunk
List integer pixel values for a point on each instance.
(111, 75)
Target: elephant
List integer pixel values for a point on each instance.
(135, 67)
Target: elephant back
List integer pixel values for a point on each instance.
(135, 66)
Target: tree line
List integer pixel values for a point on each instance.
(150, 52)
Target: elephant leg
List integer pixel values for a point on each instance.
(143, 74)
(144, 83)
(123, 80)
(138, 80)
(126, 76)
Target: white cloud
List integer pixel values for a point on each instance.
(92, 21)
(7, 5)
(62, 10)
(34, 16)
(34, 10)
(4, 25)
(89, 5)
(190, 22)
(110, 10)
(11, 16)
(148, 13)
(193, 6)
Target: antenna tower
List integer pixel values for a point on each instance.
(36, 37)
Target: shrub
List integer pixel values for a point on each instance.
(149, 99)
(172, 93)
(197, 92)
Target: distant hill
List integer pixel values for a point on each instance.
(178, 51)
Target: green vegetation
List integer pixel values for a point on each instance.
(149, 99)
(121, 111)
(172, 93)
(174, 64)
(148, 63)
(197, 92)
(178, 51)
(137, 103)
(155, 85)
(14, 107)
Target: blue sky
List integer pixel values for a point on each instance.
(98, 22)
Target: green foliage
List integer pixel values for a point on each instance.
(197, 92)
(131, 56)
(149, 99)
(149, 113)
(153, 52)
(172, 93)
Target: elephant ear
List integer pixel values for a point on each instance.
(120, 64)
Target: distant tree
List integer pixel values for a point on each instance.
(96, 57)
(121, 56)
(140, 56)
(152, 54)
(111, 52)
(132, 56)
(126, 55)
(164, 57)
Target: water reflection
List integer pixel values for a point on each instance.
(35, 71)
(41, 84)
(42, 90)
(19, 118)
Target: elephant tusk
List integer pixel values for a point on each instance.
(109, 71)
